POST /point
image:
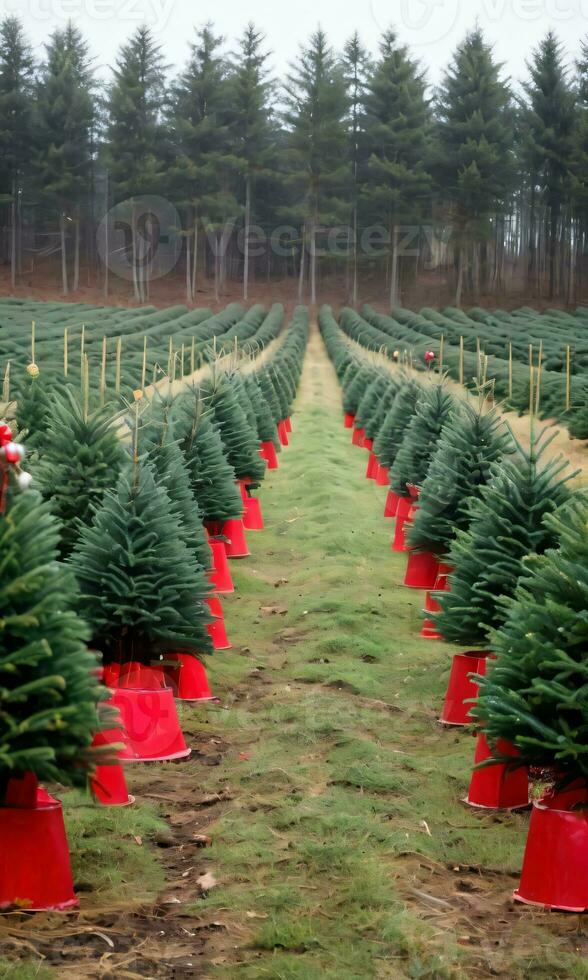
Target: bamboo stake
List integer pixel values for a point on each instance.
(531, 400)
(193, 356)
(461, 360)
(182, 364)
(6, 385)
(510, 370)
(144, 366)
(86, 385)
(82, 346)
(65, 352)
(568, 378)
(118, 359)
(103, 373)
(32, 341)
(538, 384)
(441, 345)
(170, 355)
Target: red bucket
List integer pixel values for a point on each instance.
(108, 783)
(357, 437)
(392, 501)
(383, 478)
(236, 544)
(35, 870)
(283, 432)
(111, 675)
(268, 452)
(348, 420)
(555, 865)
(461, 688)
(372, 467)
(288, 424)
(216, 629)
(188, 678)
(497, 787)
(151, 725)
(421, 570)
(368, 444)
(135, 675)
(220, 576)
(253, 518)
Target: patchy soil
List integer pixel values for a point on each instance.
(316, 830)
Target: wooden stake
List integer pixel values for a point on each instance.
(170, 355)
(538, 384)
(103, 373)
(531, 399)
(86, 385)
(441, 353)
(510, 370)
(193, 356)
(82, 346)
(182, 364)
(32, 341)
(461, 360)
(6, 385)
(568, 378)
(118, 358)
(65, 352)
(144, 366)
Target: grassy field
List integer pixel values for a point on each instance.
(330, 794)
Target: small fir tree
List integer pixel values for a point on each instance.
(239, 439)
(391, 434)
(266, 427)
(421, 437)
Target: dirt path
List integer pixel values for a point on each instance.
(327, 791)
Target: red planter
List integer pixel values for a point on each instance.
(139, 677)
(348, 420)
(152, 730)
(108, 784)
(188, 678)
(429, 630)
(555, 865)
(357, 437)
(288, 424)
(216, 629)
(268, 452)
(392, 501)
(372, 467)
(421, 570)
(233, 530)
(220, 577)
(283, 432)
(253, 518)
(403, 512)
(111, 675)
(461, 688)
(383, 478)
(35, 871)
(368, 444)
(497, 787)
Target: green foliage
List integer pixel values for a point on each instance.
(138, 580)
(422, 434)
(536, 693)
(266, 427)
(16, 104)
(506, 523)
(48, 691)
(81, 459)
(471, 440)
(239, 439)
(389, 438)
(33, 412)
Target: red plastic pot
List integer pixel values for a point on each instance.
(268, 452)
(108, 783)
(216, 629)
(421, 570)
(348, 420)
(429, 630)
(288, 424)
(382, 477)
(461, 688)
(403, 517)
(220, 576)
(283, 432)
(140, 677)
(188, 678)
(357, 437)
(35, 870)
(253, 518)
(368, 444)
(111, 674)
(372, 467)
(497, 787)
(392, 501)
(152, 730)
(234, 532)
(555, 865)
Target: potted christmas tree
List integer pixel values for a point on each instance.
(533, 708)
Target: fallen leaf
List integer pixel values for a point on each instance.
(206, 881)
(273, 610)
(245, 756)
(138, 840)
(202, 840)
(256, 915)
(281, 581)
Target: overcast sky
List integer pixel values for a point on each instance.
(430, 27)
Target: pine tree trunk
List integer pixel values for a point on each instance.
(13, 236)
(189, 297)
(394, 300)
(134, 253)
(354, 294)
(302, 260)
(246, 242)
(313, 262)
(216, 293)
(76, 279)
(195, 257)
(64, 283)
(460, 269)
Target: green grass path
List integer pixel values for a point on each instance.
(345, 851)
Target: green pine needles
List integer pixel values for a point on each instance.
(535, 695)
(506, 523)
(421, 436)
(48, 687)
